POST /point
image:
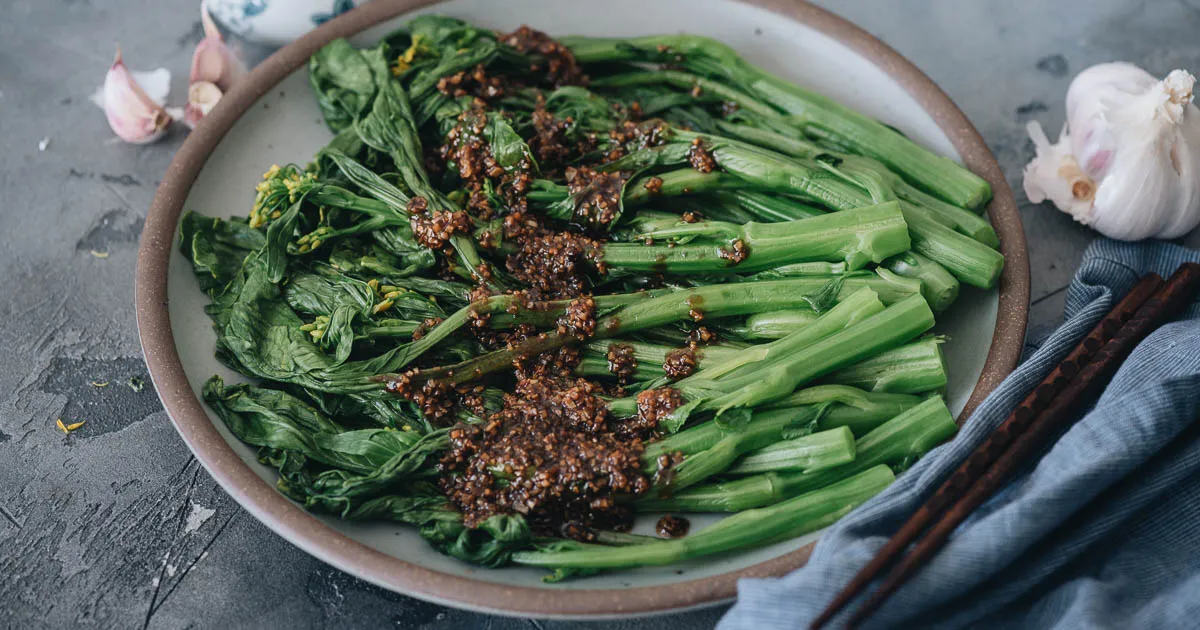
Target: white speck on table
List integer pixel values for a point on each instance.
(197, 517)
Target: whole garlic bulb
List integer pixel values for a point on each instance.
(1127, 163)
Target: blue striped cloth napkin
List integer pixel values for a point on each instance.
(1104, 532)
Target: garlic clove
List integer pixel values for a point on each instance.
(213, 60)
(135, 113)
(1055, 175)
(202, 97)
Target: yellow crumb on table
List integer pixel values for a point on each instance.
(68, 428)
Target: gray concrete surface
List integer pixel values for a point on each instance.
(116, 525)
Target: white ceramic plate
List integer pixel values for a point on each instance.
(281, 123)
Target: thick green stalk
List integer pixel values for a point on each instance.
(684, 81)
(856, 237)
(555, 200)
(833, 405)
(810, 453)
(706, 435)
(907, 436)
(859, 410)
(762, 374)
(620, 539)
(547, 313)
(817, 115)
(913, 368)
(939, 286)
(683, 181)
(591, 366)
(826, 119)
(890, 287)
(773, 132)
(721, 300)
(750, 363)
(767, 206)
(390, 329)
(649, 356)
(751, 528)
(772, 325)
(770, 380)
(964, 221)
(762, 430)
(810, 269)
(969, 260)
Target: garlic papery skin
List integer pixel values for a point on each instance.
(132, 102)
(202, 97)
(1093, 92)
(213, 61)
(1127, 161)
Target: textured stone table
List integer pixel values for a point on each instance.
(117, 525)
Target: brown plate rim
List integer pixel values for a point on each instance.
(310, 534)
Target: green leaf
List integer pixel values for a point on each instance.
(807, 421)
(491, 544)
(825, 298)
(267, 417)
(368, 181)
(365, 449)
(679, 417)
(344, 82)
(338, 340)
(733, 420)
(589, 111)
(416, 510)
(462, 46)
(508, 148)
(323, 293)
(216, 247)
(279, 233)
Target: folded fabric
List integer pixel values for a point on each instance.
(1104, 532)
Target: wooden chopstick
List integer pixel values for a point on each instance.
(1040, 416)
(996, 443)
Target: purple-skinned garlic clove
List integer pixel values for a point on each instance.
(133, 102)
(214, 61)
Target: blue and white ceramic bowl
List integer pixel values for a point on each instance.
(276, 22)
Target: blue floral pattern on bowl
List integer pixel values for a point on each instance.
(339, 7)
(276, 21)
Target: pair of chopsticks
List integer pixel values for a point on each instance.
(1046, 412)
